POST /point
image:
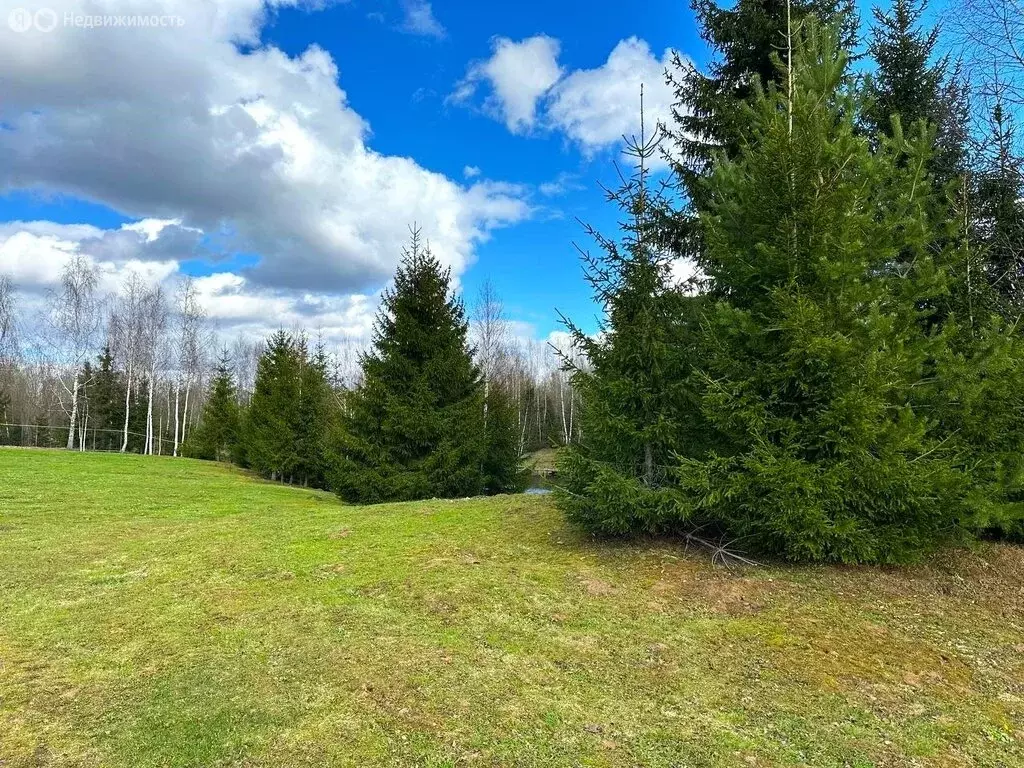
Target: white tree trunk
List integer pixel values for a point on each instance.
(184, 412)
(127, 407)
(149, 417)
(561, 403)
(83, 431)
(177, 392)
(74, 414)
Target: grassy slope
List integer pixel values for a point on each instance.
(156, 612)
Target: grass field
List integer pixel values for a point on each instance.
(159, 612)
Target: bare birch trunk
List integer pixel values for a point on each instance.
(127, 406)
(184, 411)
(74, 414)
(149, 417)
(177, 393)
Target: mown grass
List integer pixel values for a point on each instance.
(544, 461)
(159, 612)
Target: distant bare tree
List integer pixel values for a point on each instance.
(9, 352)
(489, 334)
(245, 355)
(72, 328)
(990, 34)
(8, 323)
(128, 337)
(155, 316)
(190, 317)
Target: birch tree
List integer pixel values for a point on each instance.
(73, 324)
(127, 335)
(190, 316)
(155, 318)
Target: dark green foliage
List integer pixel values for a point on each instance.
(999, 214)
(812, 407)
(414, 428)
(216, 437)
(909, 83)
(976, 407)
(809, 366)
(637, 406)
(270, 425)
(106, 410)
(503, 467)
(316, 418)
(745, 37)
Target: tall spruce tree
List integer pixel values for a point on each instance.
(270, 436)
(503, 467)
(107, 412)
(216, 437)
(636, 404)
(814, 368)
(999, 214)
(316, 417)
(911, 83)
(414, 428)
(745, 38)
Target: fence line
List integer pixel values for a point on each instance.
(90, 430)
(41, 436)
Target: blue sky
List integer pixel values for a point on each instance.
(278, 151)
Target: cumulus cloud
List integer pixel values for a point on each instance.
(517, 74)
(205, 126)
(33, 254)
(593, 108)
(419, 19)
(596, 107)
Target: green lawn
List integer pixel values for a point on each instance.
(544, 460)
(160, 612)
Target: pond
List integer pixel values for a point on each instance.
(538, 483)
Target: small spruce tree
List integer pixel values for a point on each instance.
(999, 220)
(217, 434)
(316, 417)
(503, 467)
(636, 406)
(270, 440)
(107, 412)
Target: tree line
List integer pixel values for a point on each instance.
(143, 370)
(841, 379)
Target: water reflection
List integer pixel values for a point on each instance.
(539, 484)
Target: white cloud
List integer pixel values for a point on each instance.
(593, 108)
(420, 20)
(33, 254)
(560, 185)
(596, 107)
(518, 74)
(470, 171)
(259, 149)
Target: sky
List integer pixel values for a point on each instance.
(279, 152)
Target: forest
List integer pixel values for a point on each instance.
(839, 380)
